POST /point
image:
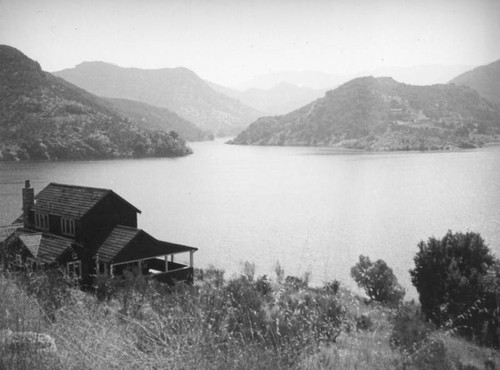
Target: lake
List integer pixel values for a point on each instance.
(312, 209)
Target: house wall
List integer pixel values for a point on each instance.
(98, 222)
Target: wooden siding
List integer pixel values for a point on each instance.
(99, 222)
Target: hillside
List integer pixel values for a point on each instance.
(177, 89)
(381, 114)
(45, 117)
(485, 80)
(155, 118)
(280, 99)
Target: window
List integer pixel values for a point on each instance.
(32, 264)
(68, 226)
(42, 221)
(18, 260)
(74, 268)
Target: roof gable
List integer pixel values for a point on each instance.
(70, 200)
(32, 242)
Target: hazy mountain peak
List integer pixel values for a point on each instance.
(177, 89)
(484, 79)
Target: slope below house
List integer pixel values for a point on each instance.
(45, 117)
(382, 114)
(177, 89)
(485, 80)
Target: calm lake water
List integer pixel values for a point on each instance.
(312, 209)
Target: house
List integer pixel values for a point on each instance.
(88, 231)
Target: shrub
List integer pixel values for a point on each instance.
(457, 281)
(378, 281)
(332, 287)
(410, 329)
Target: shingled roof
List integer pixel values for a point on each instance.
(46, 247)
(70, 200)
(128, 244)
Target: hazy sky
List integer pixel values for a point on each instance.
(230, 41)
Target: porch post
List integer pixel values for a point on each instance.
(111, 270)
(139, 263)
(191, 258)
(166, 263)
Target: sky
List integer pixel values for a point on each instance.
(232, 41)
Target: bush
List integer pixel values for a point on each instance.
(457, 281)
(410, 330)
(378, 281)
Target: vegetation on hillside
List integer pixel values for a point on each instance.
(382, 114)
(45, 117)
(245, 322)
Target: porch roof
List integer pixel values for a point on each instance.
(125, 244)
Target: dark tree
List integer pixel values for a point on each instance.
(456, 281)
(378, 280)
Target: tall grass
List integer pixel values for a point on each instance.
(241, 323)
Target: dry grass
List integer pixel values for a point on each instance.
(190, 331)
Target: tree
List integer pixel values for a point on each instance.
(455, 278)
(378, 281)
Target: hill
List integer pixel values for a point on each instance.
(311, 79)
(45, 117)
(155, 118)
(485, 80)
(427, 74)
(177, 89)
(381, 114)
(280, 99)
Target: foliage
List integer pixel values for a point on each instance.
(457, 280)
(410, 330)
(219, 323)
(378, 280)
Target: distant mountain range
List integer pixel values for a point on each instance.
(311, 79)
(284, 92)
(177, 89)
(280, 99)
(484, 79)
(382, 114)
(45, 117)
(427, 74)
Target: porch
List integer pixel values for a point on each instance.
(163, 268)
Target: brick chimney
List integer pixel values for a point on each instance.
(28, 202)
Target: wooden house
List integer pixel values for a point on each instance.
(88, 231)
